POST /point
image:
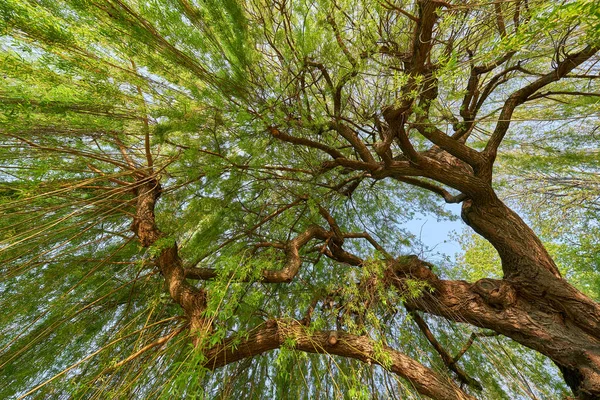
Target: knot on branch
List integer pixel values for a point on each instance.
(333, 338)
(271, 323)
(413, 267)
(274, 131)
(496, 293)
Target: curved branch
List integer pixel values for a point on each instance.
(293, 261)
(335, 154)
(191, 299)
(521, 95)
(274, 333)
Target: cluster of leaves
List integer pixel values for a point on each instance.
(89, 84)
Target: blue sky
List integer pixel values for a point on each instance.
(438, 235)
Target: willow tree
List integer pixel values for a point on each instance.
(189, 185)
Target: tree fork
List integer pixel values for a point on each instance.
(506, 307)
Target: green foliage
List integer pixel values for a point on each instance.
(88, 85)
(478, 260)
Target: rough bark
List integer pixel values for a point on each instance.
(532, 304)
(191, 299)
(274, 334)
(506, 306)
(551, 315)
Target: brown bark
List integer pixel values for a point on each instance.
(191, 299)
(552, 316)
(518, 246)
(273, 334)
(533, 304)
(543, 323)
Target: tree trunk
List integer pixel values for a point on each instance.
(533, 304)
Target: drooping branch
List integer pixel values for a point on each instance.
(157, 343)
(122, 12)
(368, 238)
(445, 356)
(79, 153)
(469, 343)
(108, 177)
(80, 108)
(253, 228)
(275, 333)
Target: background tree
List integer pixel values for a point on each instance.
(187, 185)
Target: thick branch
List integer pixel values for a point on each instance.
(451, 145)
(191, 299)
(573, 342)
(422, 40)
(273, 334)
(398, 131)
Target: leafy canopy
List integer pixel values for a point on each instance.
(199, 94)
